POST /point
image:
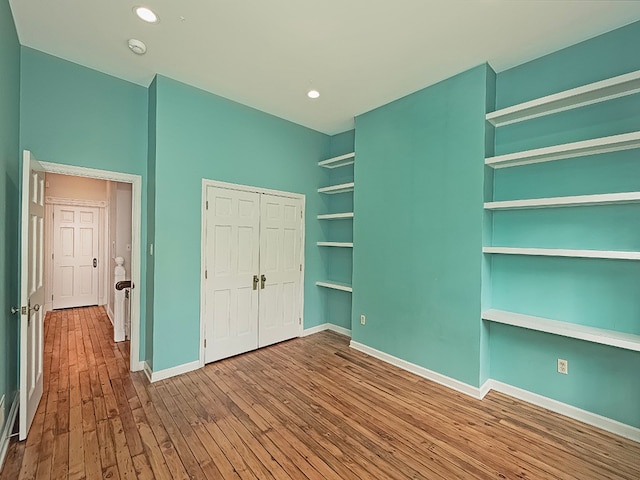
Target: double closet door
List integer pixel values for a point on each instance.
(253, 270)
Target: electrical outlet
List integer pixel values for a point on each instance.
(363, 320)
(563, 366)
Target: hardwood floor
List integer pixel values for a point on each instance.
(309, 408)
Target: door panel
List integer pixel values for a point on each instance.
(280, 243)
(31, 292)
(231, 261)
(75, 246)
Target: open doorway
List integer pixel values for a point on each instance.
(115, 200)
(88, 236)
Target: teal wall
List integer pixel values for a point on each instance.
(151, 219)
(418, 226)
(600, 293)
(201, 135)
(9, 202)
(73, 115)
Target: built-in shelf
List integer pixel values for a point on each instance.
(342, 188)
(560, 252)
(595, 146)
(340, 161)
(345, 287)
(336, 244)
(335, 216)
(572, 201)
(604, 90)
(613, 338)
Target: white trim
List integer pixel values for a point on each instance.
(570, 201)
(326, 326)
(556, 406)
(345, 287)
(6, 431)
(596, 92)
(170, 372)
(342, 188)
(335, 244)
(203, 233)
(594, 146)
(485, 388)
(137, 250)
(335, 216)
(564, 252)
(628, 341)
(109, 313)
(147, 370)
(570, 411)
(76, 202)
(339, 161)
(452, 383)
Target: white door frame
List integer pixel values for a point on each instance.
(203, 231)
(103, 245)
(136, 230)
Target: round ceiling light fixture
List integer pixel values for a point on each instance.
(146, 14)
(313, 93)
(137, 47)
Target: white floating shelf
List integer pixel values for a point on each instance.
(335, 216)
(602, 336)
(345, 287)
(604, 90)
(336, 244)
(572, 201)
(342, 188)
(595, 146)
(341, 161)
(557, 252)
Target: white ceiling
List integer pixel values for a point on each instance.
(359, 54)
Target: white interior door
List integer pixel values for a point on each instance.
(280, 269)
(231, 262)
(75, 256)
(31, 291)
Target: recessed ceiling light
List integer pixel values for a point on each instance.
(313, 94)
(146, 14)
(136, 46)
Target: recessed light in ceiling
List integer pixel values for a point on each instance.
(313, 94)
(136, 46)
(146, 14)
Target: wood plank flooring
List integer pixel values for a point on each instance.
(310, 408)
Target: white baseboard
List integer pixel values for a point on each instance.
(109, 313)
(147, 371)
(452, 383)
(6, 431)
(567, 410)
(170, 372)
(326, 326)
(137, 366)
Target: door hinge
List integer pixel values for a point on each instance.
(299, 320)
(207, 205)
(51, 297)
(205, 343)
(205, 274)
(300, 267)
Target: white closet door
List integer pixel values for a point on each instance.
(280, 239)
(75, 256)
(232, 249)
